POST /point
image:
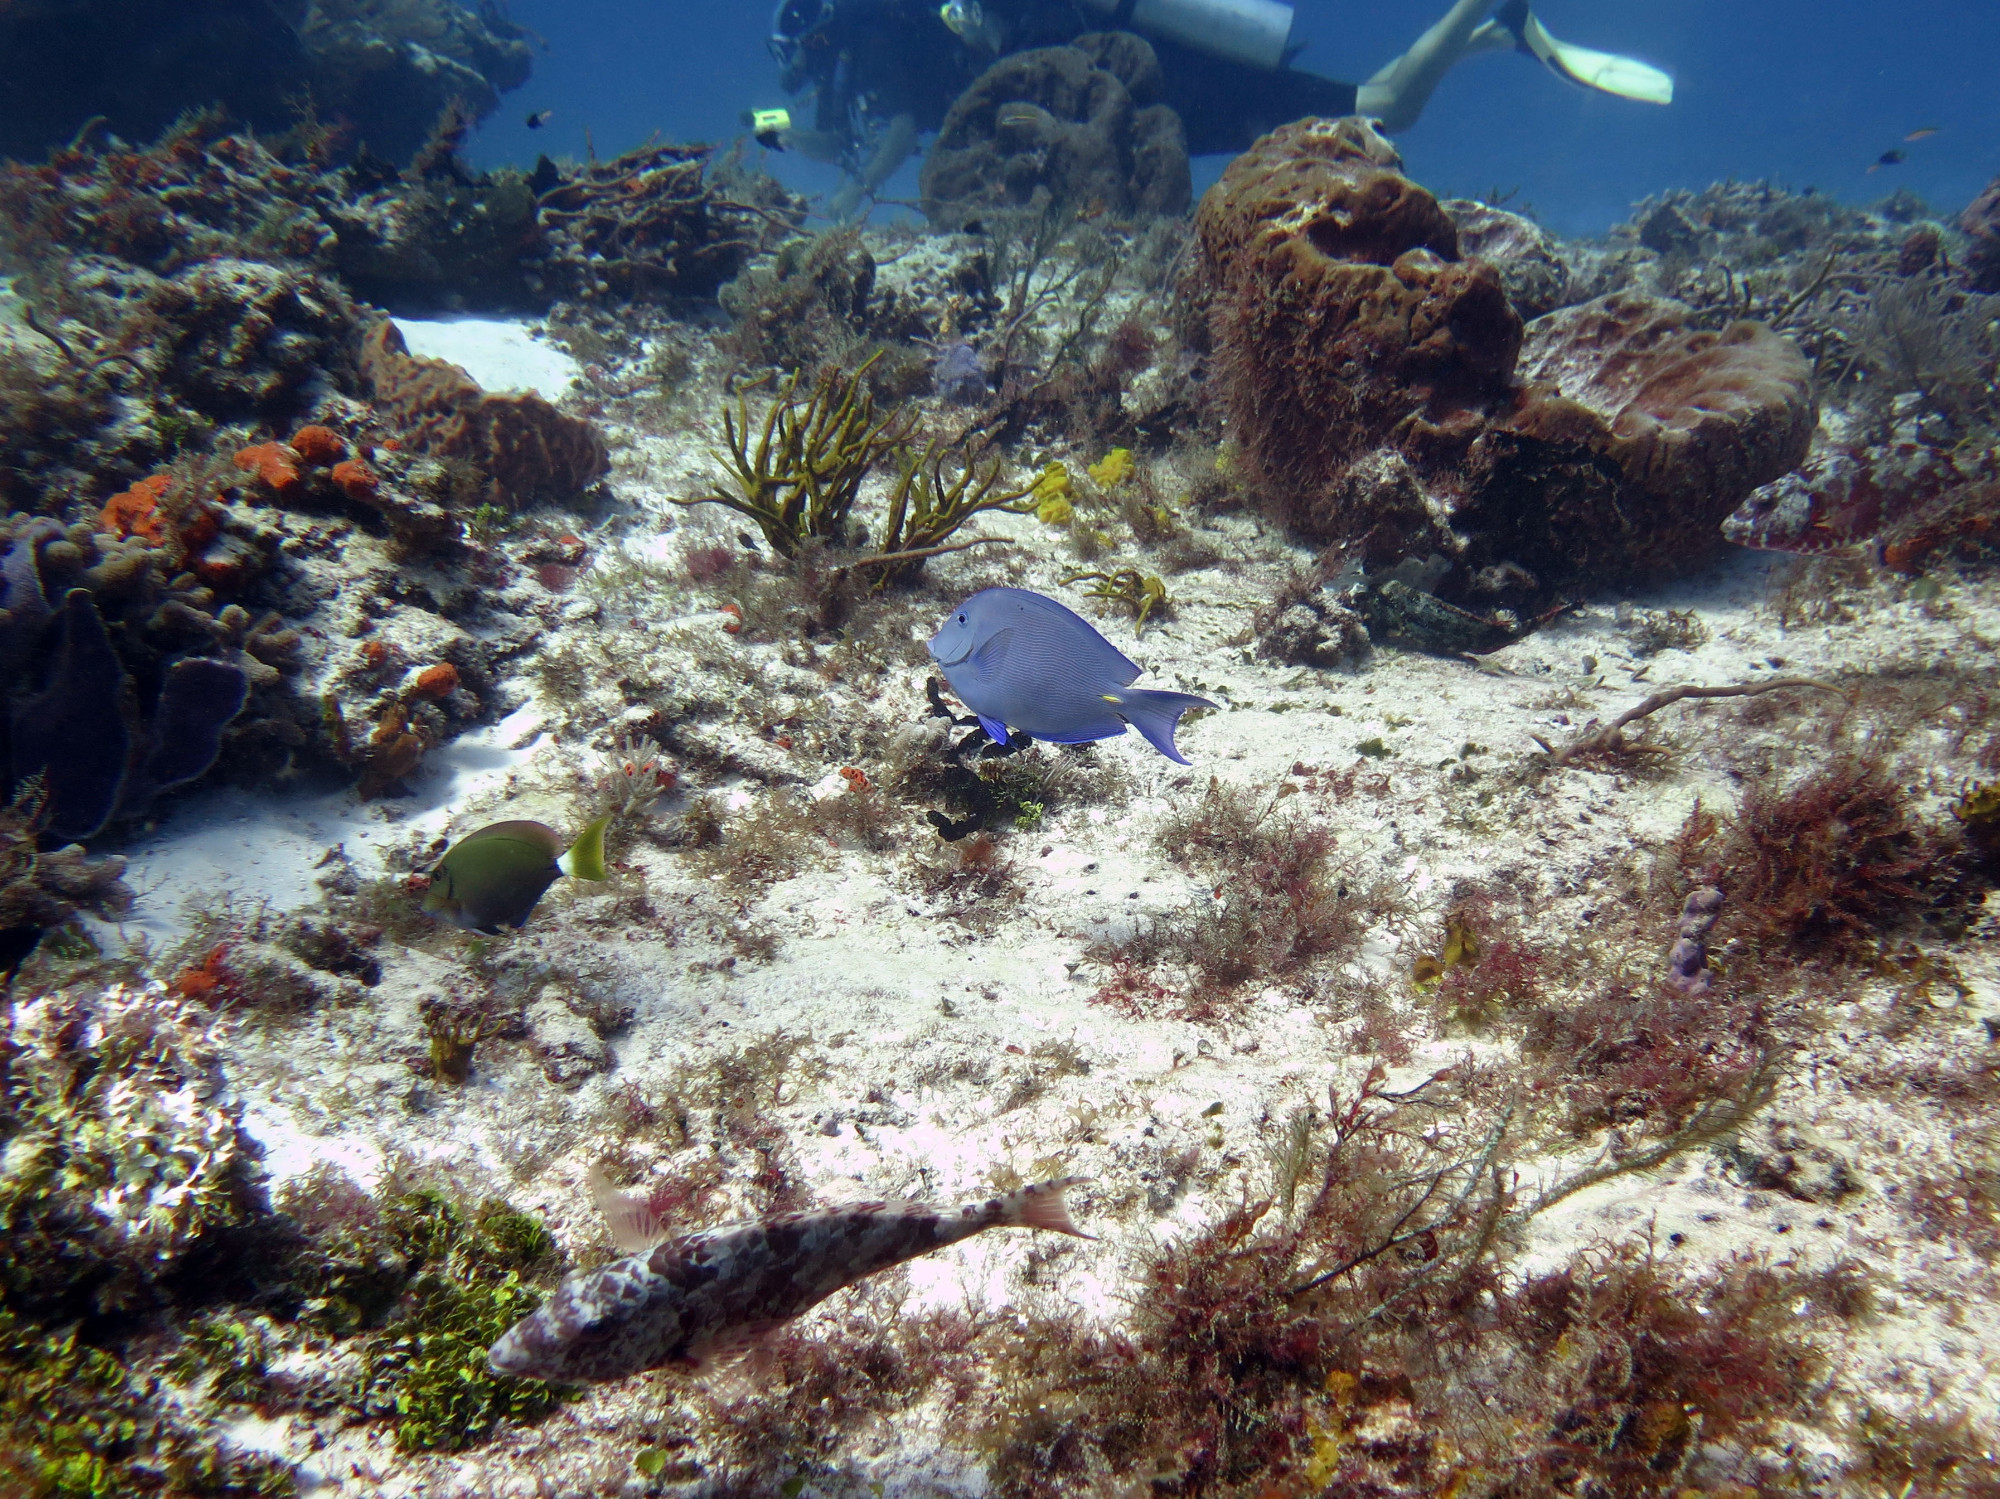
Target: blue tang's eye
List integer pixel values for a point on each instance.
(961, 619)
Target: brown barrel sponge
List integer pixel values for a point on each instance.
(1342, 317)
(1689, 421)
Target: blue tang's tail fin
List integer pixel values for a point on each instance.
(1154, 714)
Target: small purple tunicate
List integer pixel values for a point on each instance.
(959, 375)
(1687, 960)
(1687, 966)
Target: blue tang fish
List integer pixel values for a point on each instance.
(1022, 661)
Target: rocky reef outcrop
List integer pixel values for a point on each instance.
(1633, 437)
(252, 534)
(1981, 225)
(1386, 394)
(386, 71)
(1079, 124)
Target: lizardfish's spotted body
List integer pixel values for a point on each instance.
(1846, 497)
(699, 1298)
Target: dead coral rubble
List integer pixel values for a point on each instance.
(123, 1154)
(1387, 395)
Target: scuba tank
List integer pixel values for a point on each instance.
(1256, 32)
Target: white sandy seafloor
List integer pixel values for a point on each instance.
(921, 1030)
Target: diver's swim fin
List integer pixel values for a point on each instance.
(1607, 72)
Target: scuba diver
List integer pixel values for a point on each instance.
(885, 71)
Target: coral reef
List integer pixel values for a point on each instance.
(1341, 310)
(1418, 1162)
(928, 506)
(654, 224)
(1686, 422)
(179, 285)
(522, 447)
(72, 724)
(801, 480)
(1074, 126)
(809, 300)
(650, 224)
(1532, 270)
(79, 1422)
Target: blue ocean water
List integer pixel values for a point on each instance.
(1806, 92)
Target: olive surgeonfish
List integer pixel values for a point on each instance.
(1021, 660)
(493, 878)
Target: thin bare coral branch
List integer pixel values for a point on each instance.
(1476, 1172)
(1811, 290)
(1712, 1121)
(927, 506)
(1610, 737)
(28, 317)
(883, 559)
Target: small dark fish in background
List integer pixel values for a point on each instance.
(1020, 660)
(1025, 117)
(495, 877)
(699, 1299)
(540, 118)
(1892, 158)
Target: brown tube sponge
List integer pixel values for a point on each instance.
(527, 449)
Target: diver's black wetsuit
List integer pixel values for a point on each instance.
(879, 58)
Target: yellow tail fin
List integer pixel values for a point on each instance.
(585, 859)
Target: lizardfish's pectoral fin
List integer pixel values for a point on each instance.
(733, 1361)
(634, 1223)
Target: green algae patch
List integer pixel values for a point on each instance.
(431, 1365)
(427, 1369)
(77, 1422)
